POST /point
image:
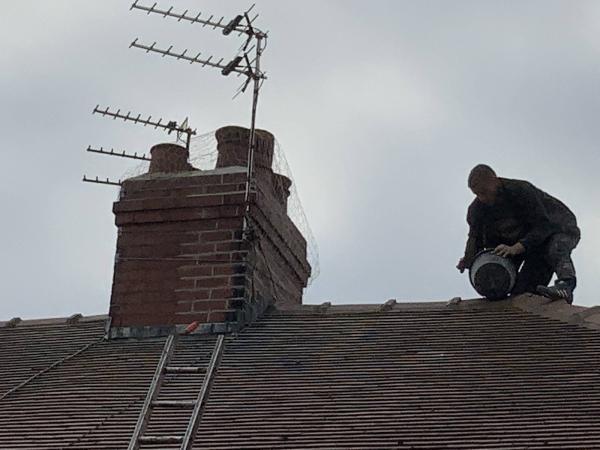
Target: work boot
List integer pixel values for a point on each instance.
(562, 290)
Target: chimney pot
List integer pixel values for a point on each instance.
(169, 158)
(233, 147)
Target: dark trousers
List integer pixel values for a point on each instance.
(554, 256)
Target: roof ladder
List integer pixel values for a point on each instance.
(196, 406)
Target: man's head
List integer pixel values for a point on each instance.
(484, 183)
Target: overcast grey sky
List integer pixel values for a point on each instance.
(382, 107)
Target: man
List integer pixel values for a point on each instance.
(522, 222)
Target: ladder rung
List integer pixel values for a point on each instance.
(172, 369)
(174, 403)
(161, 439)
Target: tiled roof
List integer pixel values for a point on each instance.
(470, 375)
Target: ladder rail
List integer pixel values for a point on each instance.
(142, 421)
(190, 433)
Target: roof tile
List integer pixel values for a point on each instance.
(473, 375)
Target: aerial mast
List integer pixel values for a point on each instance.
(247, 62)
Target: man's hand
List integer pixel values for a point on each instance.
(461, 266)
(509, 250)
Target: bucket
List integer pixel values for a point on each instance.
(492, 276)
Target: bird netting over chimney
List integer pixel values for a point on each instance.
(203, 155)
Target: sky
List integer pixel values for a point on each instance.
(381, 107)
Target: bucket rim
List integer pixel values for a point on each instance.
(477, 255)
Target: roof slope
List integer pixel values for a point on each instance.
(479, 375)
(24, 351)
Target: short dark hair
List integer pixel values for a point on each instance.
(479, 173)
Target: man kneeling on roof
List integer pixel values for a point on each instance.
(522, 222)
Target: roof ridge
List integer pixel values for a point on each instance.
(391, 305)
(588, 317)
(71, 320)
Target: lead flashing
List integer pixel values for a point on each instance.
(146, 332)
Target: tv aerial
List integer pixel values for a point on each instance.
(246, 63)
(170, 126)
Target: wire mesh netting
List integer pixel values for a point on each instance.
(203, 156)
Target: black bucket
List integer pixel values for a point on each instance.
(492, 276)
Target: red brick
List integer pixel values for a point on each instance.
(192, 294)
(223, 188)
(149, 265)
(153, 287)
(229, 269)
(150, 251)
(149, 238)
(132, 318)
(232, 199)
(215, 199)
(138, 274)
(198, 249)
(167, 215)
(183, 306)
(235, 177)
(221, 258)
(235, 223)
(212, 282)
(218, 212)
(215, 236)
(123, 219)
(226, 292)
(208, 305)
(147, 204)
(191, 225)
(222, 316)
(200, 270)
(231, 246)
(185, 318)
(146, 308)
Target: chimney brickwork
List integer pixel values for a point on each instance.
(182, 254)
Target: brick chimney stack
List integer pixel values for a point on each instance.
(182, 255)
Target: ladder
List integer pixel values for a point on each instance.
(163, 368)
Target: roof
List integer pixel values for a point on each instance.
(472, 374)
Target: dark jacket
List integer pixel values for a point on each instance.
(522, 213)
